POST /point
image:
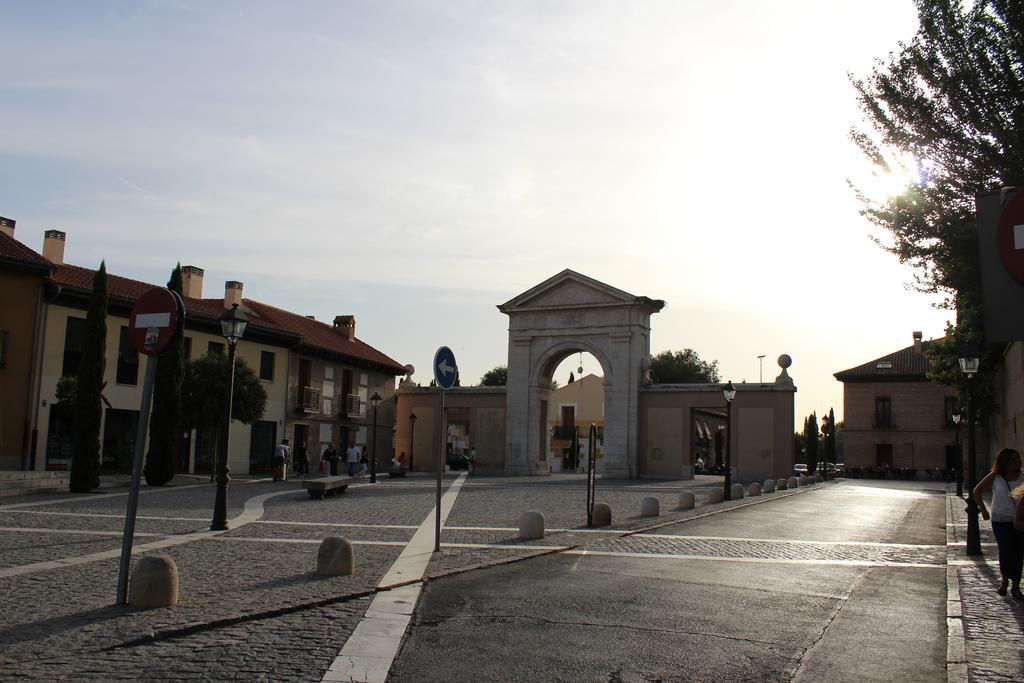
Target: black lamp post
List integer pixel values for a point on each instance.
(730, 393)
(959, 456)
(969, 362)
(232, 326)
(412, 437)
(375, 402)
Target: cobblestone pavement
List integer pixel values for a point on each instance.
(993, 624)
(251, 607)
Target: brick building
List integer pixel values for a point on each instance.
(896, 418)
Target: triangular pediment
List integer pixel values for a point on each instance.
(570, 289)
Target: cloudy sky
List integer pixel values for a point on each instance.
(417, 163)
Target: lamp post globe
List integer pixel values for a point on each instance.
(232, 324)
(970, 362)
(375, 401)
(729, 393)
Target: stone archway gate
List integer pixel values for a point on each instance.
(564, 314)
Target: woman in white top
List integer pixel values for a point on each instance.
(1004, 478)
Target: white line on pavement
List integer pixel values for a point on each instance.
(103, 515)
(73, 532)
(795, 542)
(757, 560)
(368, 653)
(396, 544)
(97, 496)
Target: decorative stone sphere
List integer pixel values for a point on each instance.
(336, 557)
(754, 489)
(531, 525)
(602, 514)
(686, 501)
(785, 361)
(793, 482)
(781, 484)
(154, 582)
(650, 507)
(769, 486)
(737, 491)
(715, 496)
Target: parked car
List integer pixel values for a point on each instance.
(456, 461)
(800, 469)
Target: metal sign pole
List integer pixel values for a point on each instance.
(133, 493)
(440, 469)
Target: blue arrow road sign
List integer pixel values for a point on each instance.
(445, 368)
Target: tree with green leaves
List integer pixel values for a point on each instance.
(165, 419)
(682, 367)
(495, 377)
(205, 385)
(811, 443)
(947, 106)
(86, 457)
(828, 426)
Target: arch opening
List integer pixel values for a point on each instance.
(571, 398)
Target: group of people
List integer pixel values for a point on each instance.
(356, 459)
(1007, 515)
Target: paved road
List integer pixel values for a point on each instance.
(694, 601)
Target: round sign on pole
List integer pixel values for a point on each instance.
(1010, 237)
(446, 370)
(155, 321)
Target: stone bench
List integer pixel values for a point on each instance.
(397, 473)
(326, 486)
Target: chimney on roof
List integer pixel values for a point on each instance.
(347, 324)
(53, 245)
(917, 342)
(7, 226)
(192, 282)
(232, 293)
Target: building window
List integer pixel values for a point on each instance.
(328, 406)
(215, 347)
(267, 365)
(127, 359)
(188, 348)
(5, 340)
(950, 408)
(883, 411)
(74, 339)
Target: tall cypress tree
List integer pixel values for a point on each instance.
(165, 420)
(86, 459)
(830, 438)
(811, 441)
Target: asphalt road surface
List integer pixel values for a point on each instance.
(842, 583)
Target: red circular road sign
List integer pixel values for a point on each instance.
(155, 321)
(1010, 237)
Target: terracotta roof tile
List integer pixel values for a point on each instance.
(314, 335)
(13, 251)
(903, 364)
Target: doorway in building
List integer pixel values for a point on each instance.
(119, 431)
(883, 456)
(261, 446)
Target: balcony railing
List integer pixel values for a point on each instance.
(352, 406)
(310, 400)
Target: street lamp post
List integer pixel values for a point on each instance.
(412, 437)
(959, 457)
(730, 393)
(232, 326)
(375, 402)
(969, 362)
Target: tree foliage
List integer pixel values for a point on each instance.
(495, 377)
(950, 103)
(86, 458)
(828, 428)
(205, 385)
(811, 443)
(682, 367)
(165, 419)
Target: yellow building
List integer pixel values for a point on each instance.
(578, 404)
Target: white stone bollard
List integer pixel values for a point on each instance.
(754, 489)
(781, 484)
(336, 557)
(737, 491)
(804, 481)
(650, 507)
(769, 486)
(686, 501)
(817, 478)
(531, 525)
(602, 514)
(154, 582)
(793, 482)
(715, 495)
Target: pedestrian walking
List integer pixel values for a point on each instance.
(281, 457)
(352, 455)
(329, 460)
(1004, 478)
(301, 459)
(364, 464)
